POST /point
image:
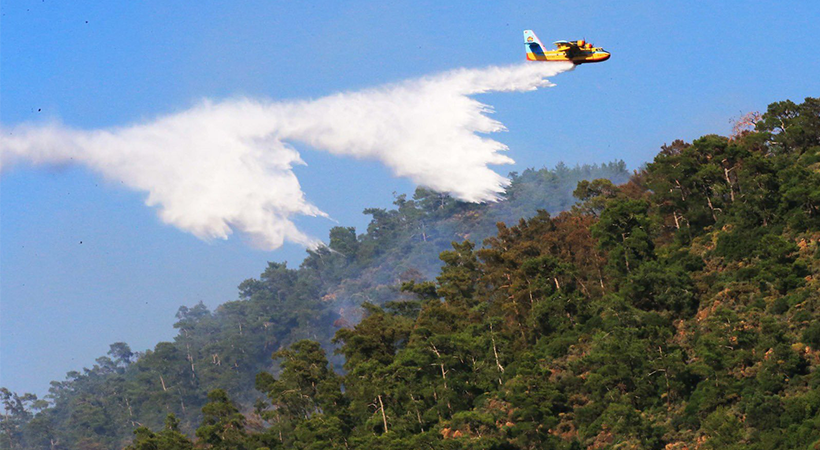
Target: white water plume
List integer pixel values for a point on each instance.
(227, 166)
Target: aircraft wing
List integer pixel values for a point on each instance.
(565, 44)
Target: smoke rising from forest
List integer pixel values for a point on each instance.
(227, 166)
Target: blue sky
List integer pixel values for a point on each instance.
(83, 263)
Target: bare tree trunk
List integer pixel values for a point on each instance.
(443, 374)
(712, 208)
(418, 413)
(384, 417)
(583, 286)
(190, 358)
(729, 182)
(680, 188)
(626, 252)
(495, 353)
(529, 291)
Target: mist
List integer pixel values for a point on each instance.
(227, 166)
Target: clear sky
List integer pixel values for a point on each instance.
(83, 263)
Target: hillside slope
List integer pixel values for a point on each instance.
(676, 311)
(99, 407)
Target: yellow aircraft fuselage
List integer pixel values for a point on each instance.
(576, 52)
(581, 56)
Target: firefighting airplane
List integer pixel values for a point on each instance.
(576, 52)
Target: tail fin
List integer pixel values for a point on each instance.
(535, 50)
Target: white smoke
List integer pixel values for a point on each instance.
(227, 166)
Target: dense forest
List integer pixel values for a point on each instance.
(675, 308)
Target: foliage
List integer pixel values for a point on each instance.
(676, 310)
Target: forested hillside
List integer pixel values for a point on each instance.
(676, 310)
(99, 407)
